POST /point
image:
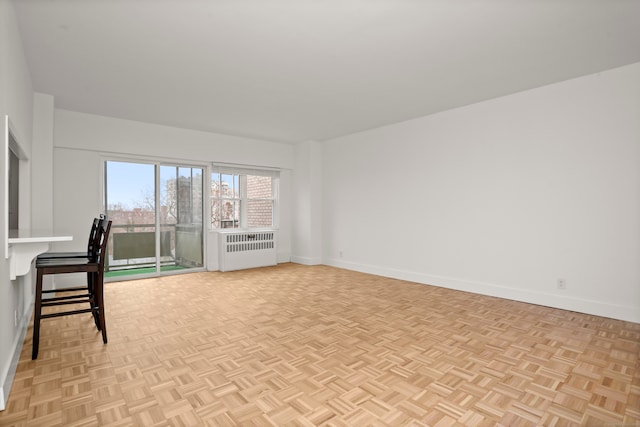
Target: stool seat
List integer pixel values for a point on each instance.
(57, 265)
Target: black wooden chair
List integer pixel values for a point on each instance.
(93, 265)
(82, 254)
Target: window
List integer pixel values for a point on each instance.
(243, 198)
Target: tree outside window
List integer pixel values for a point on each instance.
(242, 200)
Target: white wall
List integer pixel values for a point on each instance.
(307, 202)
(81, 142)
(500, 198)
(16, 100)
(41, 161)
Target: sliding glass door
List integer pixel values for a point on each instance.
(156, 211)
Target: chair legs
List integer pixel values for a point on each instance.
(96, 307)
(99, 316)
(37, 312)
(92, 302)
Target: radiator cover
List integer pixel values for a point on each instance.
(241, 250)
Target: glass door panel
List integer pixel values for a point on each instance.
(130, 200)
(181, 213)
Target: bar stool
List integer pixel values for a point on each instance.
(82, 254)
(93, 265)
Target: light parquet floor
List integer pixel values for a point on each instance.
(303, 346)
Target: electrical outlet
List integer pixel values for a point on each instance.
(15, 317)
(340, 254)
(562, 284)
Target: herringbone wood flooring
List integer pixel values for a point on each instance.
(298, 345)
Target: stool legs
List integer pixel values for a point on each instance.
(99, 297)
(96, 307)
(37, 312)
(92, 303)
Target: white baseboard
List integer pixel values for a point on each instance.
(571, 303)
(9, 372)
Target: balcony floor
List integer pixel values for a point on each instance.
(142, 270)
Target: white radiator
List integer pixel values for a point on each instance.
(240, 250)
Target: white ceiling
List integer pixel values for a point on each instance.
(296, 70)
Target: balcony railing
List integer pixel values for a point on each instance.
(133, 246)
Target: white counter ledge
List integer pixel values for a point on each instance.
(25, 245)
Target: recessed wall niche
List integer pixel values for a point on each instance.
(14, 188)
(14, 159)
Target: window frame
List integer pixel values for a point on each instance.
(243, 199)
(236, 200)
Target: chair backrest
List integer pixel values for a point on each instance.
(92, 235)
(99, 245)
(105, 230)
